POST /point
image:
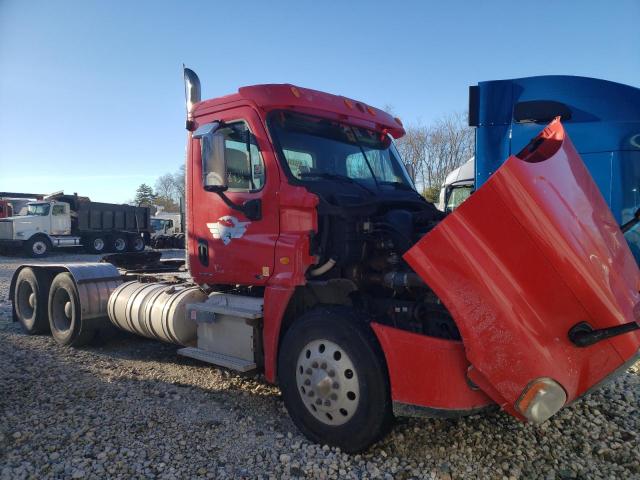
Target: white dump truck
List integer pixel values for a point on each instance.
(61, 220)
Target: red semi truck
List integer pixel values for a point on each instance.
(312, 257)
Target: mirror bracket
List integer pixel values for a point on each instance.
(252, 209)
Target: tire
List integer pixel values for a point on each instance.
(30, 301)
(118, 244)
(334, 379)
(136, 244)
(96, 244)
(37, 246)
(65, 317)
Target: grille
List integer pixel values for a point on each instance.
(6, 230)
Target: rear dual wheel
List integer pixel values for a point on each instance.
(119, 244)
(30, 301)
(65, 314)
(96, 244)
(334, 379)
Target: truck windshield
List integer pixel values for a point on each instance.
(41, 209)
(158, 224)
(315, 148)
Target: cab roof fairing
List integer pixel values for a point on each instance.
(269, 97)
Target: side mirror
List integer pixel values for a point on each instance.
(212, 152)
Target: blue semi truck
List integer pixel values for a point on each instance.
(601, 117)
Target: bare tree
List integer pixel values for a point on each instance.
(178, 182)
(413, 150)
(165, 186)
(450, 144)
(434, 151)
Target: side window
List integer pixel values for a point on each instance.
(58, 210)
(457, 195)
(299, 162)
(245, 167)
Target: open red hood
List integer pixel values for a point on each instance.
(530, 254)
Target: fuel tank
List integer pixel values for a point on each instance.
(155, 310)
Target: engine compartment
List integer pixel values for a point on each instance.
(360, 242)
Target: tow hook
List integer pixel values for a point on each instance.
(583, 335)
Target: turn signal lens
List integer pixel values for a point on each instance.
(296, 92)
(541, 399)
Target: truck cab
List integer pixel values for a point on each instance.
(311, 257)
(42, 221)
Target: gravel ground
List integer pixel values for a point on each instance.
(133, 408)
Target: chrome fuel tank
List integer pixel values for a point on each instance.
(155, 310)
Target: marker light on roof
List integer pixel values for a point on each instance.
(360, 107)
(296, 92)
(348, 103)
(371, 111)
(398, 121)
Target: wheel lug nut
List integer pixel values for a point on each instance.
(318, 401)
(332, 373)
(335, 385)
(314, 364)
(308, 371)
(334, 397)
(323, 366)
(327, 403)
(307, 382)
(311, 393)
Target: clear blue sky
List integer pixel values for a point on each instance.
(91, 95)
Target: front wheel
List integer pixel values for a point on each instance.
(38, 246)
(334, 379)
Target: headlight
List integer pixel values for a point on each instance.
(541, 399)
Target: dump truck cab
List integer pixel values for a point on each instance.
(42, 221)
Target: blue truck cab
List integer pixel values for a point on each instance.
(601, 117)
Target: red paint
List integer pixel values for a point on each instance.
(428, 371)
(530, 254)
(5, 209)
(276, 300)
(248, 260)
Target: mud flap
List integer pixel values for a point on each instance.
(530, 254)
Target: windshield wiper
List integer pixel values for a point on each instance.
(336, 176)
(401, 185)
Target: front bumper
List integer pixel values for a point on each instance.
(11, 244)
(613, 375)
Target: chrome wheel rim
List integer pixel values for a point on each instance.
(327, 382)
(98, 244)
(119, 244)
(61, 310)
(26, 301)
(138, 244)
(39, 247)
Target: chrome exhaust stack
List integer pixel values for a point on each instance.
(192, 94)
